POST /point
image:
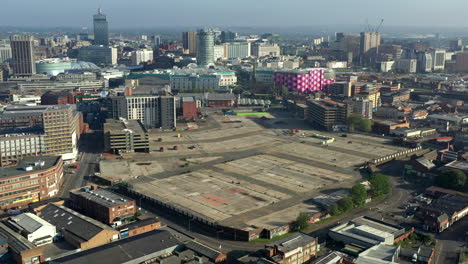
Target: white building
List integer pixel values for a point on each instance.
(407, 65)
(219, 52)
(216, 81)
(237, 49)
(386, 66)
(5, 52)
(260, 50)
(35, 229)
(438, 60)
(140, 56)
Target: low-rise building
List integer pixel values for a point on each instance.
(455, 206)
(102, 205)
(33, 228)
(138, 227)
(25, 183)
(298, 248)
(78, 230)
(21, 250)
(124, 136)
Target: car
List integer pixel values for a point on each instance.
(344, 135)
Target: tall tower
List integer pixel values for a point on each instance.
(189, 41)
(205, 48)
(369, 40)
(22, 51)
(101, 29)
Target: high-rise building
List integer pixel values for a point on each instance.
(143, 55)
(189, 41)
(424, 62)
(361, 106)
(438, 59)
(237, 49)
(5, 52)
(156, 39)
(22, 50)
(205, 48)
(228, 36)
(101, 29)
(369, 40)
(153, 111)
(100, 55)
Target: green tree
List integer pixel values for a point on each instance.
(302, 221)
(451, 179)
(359, 123)
(345, 204)
(359, 194)
(335, 209)
(380, 184)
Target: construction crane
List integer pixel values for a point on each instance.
(378, 27)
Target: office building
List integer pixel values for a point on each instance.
(219, 52)
(261, 50)
(305, 80)
(22, 51)
(151, 110)
(228, 36)
(123, 136)
(438, 59)
(205, 48)
(141, 56)
(361, 106)
(424, 63)
(5, 52)
(237, 50)
(99, 55)
(189, 41)
(461, 62)
(406, 65)
(371, 94)
(102, 205)
(156, 40)
(25, 182)
(203, 80)
(101, 29)
(327, 114)
(53, 66)
(369, 40)
(57, 126)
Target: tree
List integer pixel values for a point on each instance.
(451, 179)
(302, 221)
(379, 184)
(359, 123)
(345, 204)
(359, 194)
(335, 210)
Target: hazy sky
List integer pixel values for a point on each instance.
(225, 13)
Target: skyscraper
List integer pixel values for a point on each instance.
(101, 29)
(369, 40)
(189, 40)
(205, 48)
(22, 51)
(5, 52)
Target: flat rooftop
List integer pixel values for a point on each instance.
(121, 126)
(30, 165)
(102, 196)
(20, 109)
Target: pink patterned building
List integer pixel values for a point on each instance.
(305, 81)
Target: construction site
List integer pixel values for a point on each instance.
(248, 176)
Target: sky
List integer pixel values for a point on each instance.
(226, 13)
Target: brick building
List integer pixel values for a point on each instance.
(298, 248)
(138, 227)
(102, 205)
(25, 183)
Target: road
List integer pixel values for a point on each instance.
(450, 242)
(90, 147)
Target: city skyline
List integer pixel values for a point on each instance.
(145, 13)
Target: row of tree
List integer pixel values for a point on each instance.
(452, 179)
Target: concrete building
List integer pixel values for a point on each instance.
(219, 52)
(124, 136)
(33, 228)
(379, 254)
(371, 94)
(438, 60)
(326, 114)
(237, 49)
(78, 230)
(59, 127)
(189, 41)
(140, 56)
(424, 63)
(151, 110)
(99, 55)
(261, 50)
(205, 48)
(228, 36)
(406, 65)
(22, 251)
(295, 249)
(203, 81)
(101, 29)
(369, 40)
(16, 146)
(5, 52)
(24, 183)
(23, 59)
(361, 106)
(102, 205)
